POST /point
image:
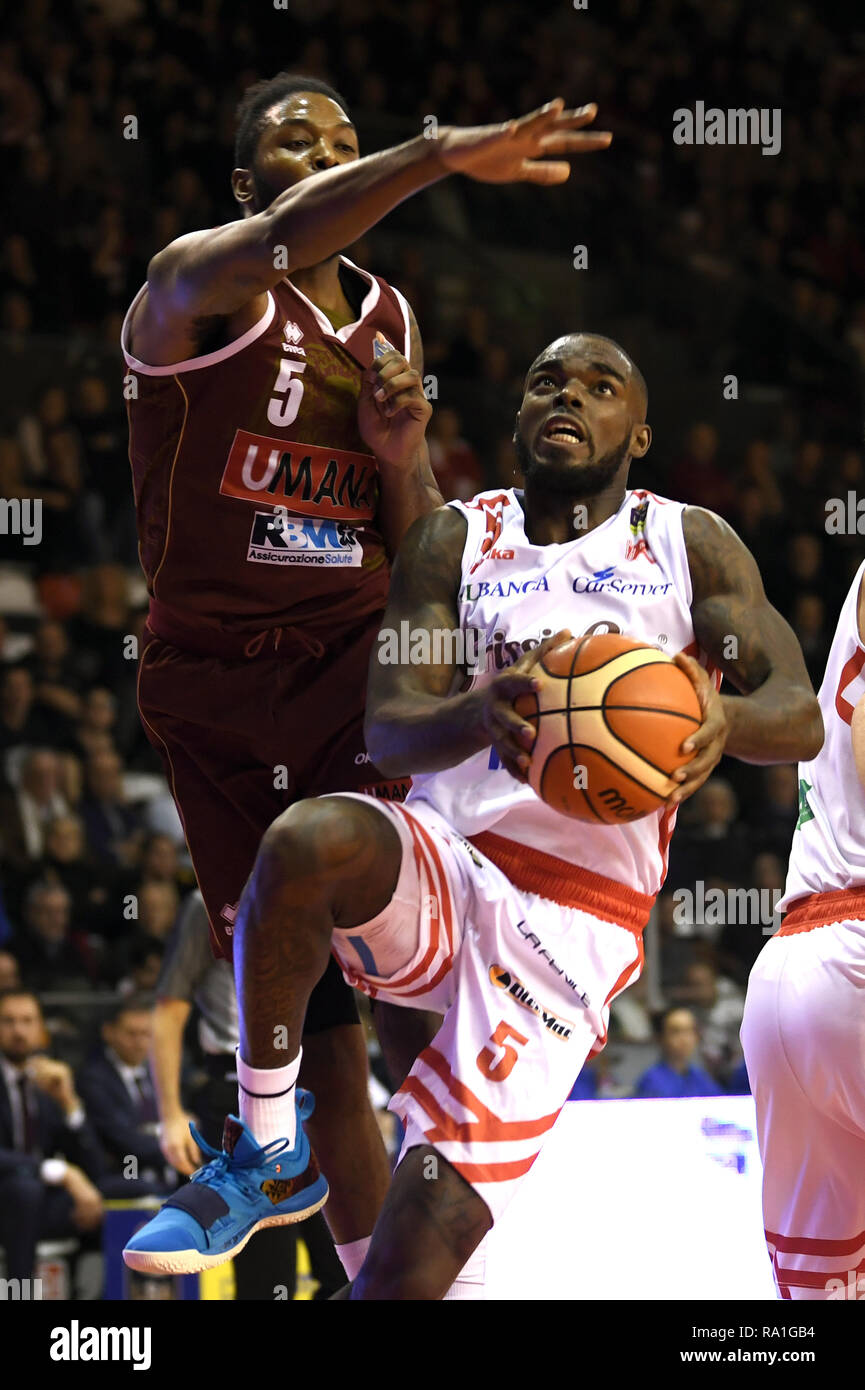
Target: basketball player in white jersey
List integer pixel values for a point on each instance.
(803, 1031)
(474, 898)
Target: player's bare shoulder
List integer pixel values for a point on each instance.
(430, 554)
(719, 561)
(200, 295)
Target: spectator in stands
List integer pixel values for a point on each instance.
(160, 861)
(712, 843)
(49, 1155)
(699, 477)
(94, 732)
(630, 1020)
(68, 862)
(777, 809)
(743, 935)
(769, 872)
(678, 1073)
(14, 646)
(808, 621)
(36, 430)
(51, 958)
(102, 426)
(755, 529)
(55, 671)
(21, 723)
(10, 974)
(454, 462)
(114, 1083)
(717, 1004)
(158, 905)
(143, 965)
(26, 812)
(586, 1085)
(676, 940)
(113, 826)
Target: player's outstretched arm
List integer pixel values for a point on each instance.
(218, 270)
(778, 719)
(413, 721)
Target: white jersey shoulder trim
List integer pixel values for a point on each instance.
(370, 300)
(194, 364)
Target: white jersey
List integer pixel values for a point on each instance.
(629, 575)
(828, 851)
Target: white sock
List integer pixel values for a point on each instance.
(471, 1280)
(266, 1100)
(353, 1255)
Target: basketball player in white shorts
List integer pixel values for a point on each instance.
(475, 898)
(803, 1030)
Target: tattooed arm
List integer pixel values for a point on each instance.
(778, 719)
(413, 724)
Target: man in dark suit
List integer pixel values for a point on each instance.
(49, 1155)
(115, 1085)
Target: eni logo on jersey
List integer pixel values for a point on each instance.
(333, 483)
(504, 979)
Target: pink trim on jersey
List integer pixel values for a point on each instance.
(403, 304)
(194, 364)
(370, 300)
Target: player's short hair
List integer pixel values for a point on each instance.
(257, 101)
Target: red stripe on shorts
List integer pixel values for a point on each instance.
(487, 1127)
(494, 1172)
(808, 1245)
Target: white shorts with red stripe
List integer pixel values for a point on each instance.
(525, 986)
(803, 1035)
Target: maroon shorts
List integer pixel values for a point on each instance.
(243, 739)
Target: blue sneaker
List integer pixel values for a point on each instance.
(244, 1188)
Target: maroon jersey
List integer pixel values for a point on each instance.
(256, 497)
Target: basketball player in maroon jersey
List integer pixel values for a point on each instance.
(276, 466)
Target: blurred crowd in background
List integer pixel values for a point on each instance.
(92, 860)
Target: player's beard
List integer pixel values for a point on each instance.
(575, 480)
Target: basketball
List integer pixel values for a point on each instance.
(610, 720)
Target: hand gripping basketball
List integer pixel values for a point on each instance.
(621, 729)
(510, 734)
(709, 740)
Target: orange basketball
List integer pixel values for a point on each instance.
(611, 718)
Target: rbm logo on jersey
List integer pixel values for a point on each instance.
(278, 539)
